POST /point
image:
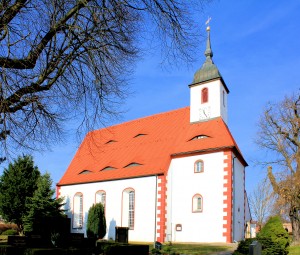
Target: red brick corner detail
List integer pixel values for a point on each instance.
(161, 209)
(227, 194)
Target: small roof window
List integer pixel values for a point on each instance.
(85, 172)
(132, 164)
(110, 141)
(197, 137)
(108, 168)
(138, 135)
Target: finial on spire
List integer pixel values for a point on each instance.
(207, 23)
(208, 51)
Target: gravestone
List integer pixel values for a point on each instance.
(17, 240)
(122, 234)
(76, 239)
(255, 248)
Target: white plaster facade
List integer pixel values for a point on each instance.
(145, 205)
(239, 217)
(216, 105)
(184, 183)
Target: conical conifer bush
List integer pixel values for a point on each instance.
(96, 224)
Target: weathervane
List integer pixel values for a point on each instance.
(207, 23)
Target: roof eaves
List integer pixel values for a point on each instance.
(210, 80)
(201, 151)
(233, 148)
(112, 179)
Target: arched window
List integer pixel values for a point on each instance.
(128, 208)
(101, 197)
(197, 203)
(131, 210)
(199, 166)
(78, 210)
(204, 95)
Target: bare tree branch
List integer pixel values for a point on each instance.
(71, 59)
(279, 133)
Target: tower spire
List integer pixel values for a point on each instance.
(209, 70)
(208, 52)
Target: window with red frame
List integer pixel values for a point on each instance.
(204, 95)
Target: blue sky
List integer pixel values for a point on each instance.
(256, 46)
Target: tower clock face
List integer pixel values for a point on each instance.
(204, 113)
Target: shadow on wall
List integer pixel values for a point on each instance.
(112, 229)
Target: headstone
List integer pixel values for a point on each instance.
(122, 234)
(17, 240)
(255, 248)
(76, 239)
(158, 245)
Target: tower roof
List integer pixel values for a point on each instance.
(209, 70)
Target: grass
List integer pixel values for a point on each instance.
(294, 250)
(3, 239)
(195, 249)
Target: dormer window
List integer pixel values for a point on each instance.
(110, 141)
(132, 165)
(108, 168)
(138, 135)
(204, 95)
(85, 172)
(197, 137)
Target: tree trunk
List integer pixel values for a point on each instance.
(295, 227)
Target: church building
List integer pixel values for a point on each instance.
(176, 176)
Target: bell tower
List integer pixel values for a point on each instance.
(208, 92)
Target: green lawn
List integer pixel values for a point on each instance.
(205, 249)
(294, 250)
(195, 249)
(198, 249)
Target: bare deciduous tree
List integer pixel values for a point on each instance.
(279, 133)
(262, 201)
(64, 59)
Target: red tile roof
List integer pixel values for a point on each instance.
(144, 147)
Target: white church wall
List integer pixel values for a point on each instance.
(183, 184)
(144, 221)
(223, 103)
(238, 200)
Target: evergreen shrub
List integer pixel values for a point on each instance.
(10, 232)
(269, 247)
(274, 230)
(243, 247)
(96, 223)
(273, 238)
